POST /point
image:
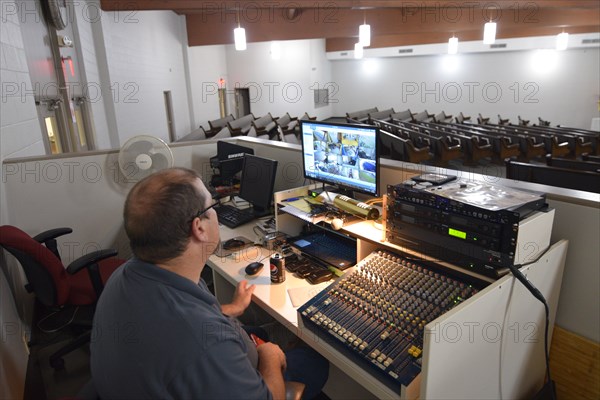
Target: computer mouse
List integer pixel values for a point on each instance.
(254, 268)
(233, 244)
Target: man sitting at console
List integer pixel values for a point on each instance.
(158, 331)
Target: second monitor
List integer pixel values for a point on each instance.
(258, 182)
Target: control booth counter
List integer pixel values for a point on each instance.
(408, 324)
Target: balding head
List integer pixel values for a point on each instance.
(158, 213)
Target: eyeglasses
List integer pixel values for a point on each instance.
(200, 213)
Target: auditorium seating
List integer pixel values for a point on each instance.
(217, 125)
(385, 115)
(573, 164)
(397, 148)
(501, 146)
(502, 121)
(546, 175)
(198, 134)
(404, 116)
(589, 157)
(442, 118)
(523, 122)
(460, 118)
(542, 122)
(265, 126)
(287, 124)
(423, 116)
(241, 126)
(362, 115)
(443, 151)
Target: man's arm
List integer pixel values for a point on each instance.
(271, 364)
(241, 300)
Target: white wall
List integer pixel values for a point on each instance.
(145, 58)
(20, 135)
(284, 85)
(207, 64)
(561, 88)
(92, 56)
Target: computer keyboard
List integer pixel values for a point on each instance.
(233, 217)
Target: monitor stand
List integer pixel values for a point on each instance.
(334, 189)
(261, 212)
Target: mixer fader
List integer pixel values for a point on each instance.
(376, 314)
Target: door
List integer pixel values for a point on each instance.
(242, 102)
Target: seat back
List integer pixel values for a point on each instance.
(44, 271)
(285, 120)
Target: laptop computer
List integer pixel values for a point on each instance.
(332, 249)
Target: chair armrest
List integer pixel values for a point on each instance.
(48, 238)
(51, 234)
(89, 259)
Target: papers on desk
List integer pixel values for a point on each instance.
(301, 295)
(301, 209)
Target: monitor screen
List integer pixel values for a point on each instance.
(342, 155)
(231, 158)
(258, 181)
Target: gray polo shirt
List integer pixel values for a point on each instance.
(158, 335)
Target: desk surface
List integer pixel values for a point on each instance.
(271, 297)
(275, 300)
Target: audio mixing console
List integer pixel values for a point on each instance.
(376, 313)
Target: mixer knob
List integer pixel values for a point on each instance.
(381, 358)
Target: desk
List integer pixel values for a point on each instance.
(274, 299)
(471, 365)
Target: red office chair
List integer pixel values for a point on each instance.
(56, 288)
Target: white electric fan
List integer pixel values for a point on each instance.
(143, 155)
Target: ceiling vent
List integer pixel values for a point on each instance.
(498, 46)
(405, 51)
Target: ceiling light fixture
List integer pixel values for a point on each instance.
(239, 35)
(489, 33)
(453, 45)
(358, 50)
(364, 33)
(562, 41)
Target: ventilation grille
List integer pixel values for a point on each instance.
(405, 51)
(498, 46)
(345, 53)
(590, 41)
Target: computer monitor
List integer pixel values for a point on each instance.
(343, 155)
(230, 159)
(257, 183)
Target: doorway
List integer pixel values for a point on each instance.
(242, 102)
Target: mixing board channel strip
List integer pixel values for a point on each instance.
(376, 314)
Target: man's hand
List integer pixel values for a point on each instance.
(241, 300)
(271, 353)
(271, 364)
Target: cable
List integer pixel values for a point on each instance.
(40, 322)
(514, 269)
